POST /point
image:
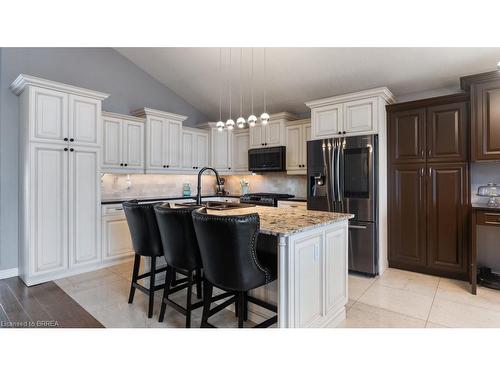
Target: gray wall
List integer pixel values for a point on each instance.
(101, 69)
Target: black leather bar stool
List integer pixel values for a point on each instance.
(182, 254)
(146, 241)
(228, 248)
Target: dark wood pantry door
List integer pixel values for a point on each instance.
(406, 136)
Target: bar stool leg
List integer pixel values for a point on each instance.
(188, 300)
(198, 283)
(152, 279)
(166, 291)
(241, 308)
(135, 273)
(207, 299)
(245, 312)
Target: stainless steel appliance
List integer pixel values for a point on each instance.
(342, 177)
(271, 159)
(264, 199)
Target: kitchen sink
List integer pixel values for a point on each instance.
(215, 205)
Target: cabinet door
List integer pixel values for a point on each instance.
(407, 215)
(257, 136)
(49, 115)
(112, 143)
(201, 147)
(274, 133)
(188, 150)
(174, 154)
(156, 138)
(220, 147)
(116, 240)
(49, 208)
(447, 202)
(240, 151)
(406, 136)
(84, 206)
(308, 280)
(84, 120)
(327, 121)
(447, 132)
(294, 147)
(486, 121)
(307, 137)
(133, 144)
(335, 268)
(360, 116)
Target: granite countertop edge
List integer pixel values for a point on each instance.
(152, 199)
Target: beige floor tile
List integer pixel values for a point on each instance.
(410, 281)
(452, 314)
(397, 300)
(366, 316)
(459, 291)
(85, 281)
(349, 304)
(99, 297)
(358, 285)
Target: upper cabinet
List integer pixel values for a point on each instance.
(485, 114)
(241, 139)
(272, 134)
(297, 133)
(123, 143)
(163, 140)
(229, 150)
(357, 113)
(195, 149)
(429, 130)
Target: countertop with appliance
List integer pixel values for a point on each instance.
(115, 200)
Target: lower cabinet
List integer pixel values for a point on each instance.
(116, 240)
(428, 218)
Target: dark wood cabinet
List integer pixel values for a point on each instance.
(447, 213)
(447, 132)
(407, 137)
(407, 219)
(428, 192)
(485, 114)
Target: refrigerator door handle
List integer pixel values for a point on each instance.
(337, 176)
(326, 147)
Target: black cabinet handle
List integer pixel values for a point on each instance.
(121, 164)
(168, 166)
(344, 131)
(65, 149)
(164, 166)
(229, 168)
(72, 149)
(71, 139)
(65, 139)
(194, 167)
(340, 132)
(126, 164)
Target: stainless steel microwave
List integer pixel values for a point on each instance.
(269, 159)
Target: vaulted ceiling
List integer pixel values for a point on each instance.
(296, 75)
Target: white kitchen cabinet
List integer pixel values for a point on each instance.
(221, 149)
(60, 156)
(356, 113)
(335, 264)
(272, 134)
(116, 240)
(240, 150)
(194, 149)
(297, 133)
(308, 280)
(123, 143)
(84, 193)
(163, 140)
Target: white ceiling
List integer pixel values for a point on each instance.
(296, 75)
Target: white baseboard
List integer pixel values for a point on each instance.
(11, 272)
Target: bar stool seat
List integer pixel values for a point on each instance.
(228, 248)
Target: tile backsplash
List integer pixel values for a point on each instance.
(481, 174)
(152, 185)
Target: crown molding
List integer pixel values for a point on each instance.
(302, 121)
(144, 112)
(24, 80)
(467, 81)
(283, 116)
(123, 117)
(381, 92)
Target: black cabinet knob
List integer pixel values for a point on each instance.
(340, 132)
(126, 164)
(71, 139)
(65, 139)
(121, 164)
(194, 167)
(65, 149)
(344, 132)
(72, 149)
(168, 166)
(229, 168)
(164, 166)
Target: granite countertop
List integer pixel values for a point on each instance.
(284, 222)
(115, 200)
(483, 206)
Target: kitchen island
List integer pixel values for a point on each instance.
(311, 289)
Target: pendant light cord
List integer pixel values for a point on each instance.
(265, 85)
(220, 84)
(252, 81)
(230, 83)
(241, 86)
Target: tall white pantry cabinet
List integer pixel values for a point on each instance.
(59, 176)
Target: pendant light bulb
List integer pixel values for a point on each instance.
(220, 125)
(264, 118)
(230, 124)
(240, 122)
(252, 120)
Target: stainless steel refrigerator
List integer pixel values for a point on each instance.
(342, 177)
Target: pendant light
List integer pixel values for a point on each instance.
(220, 124)
(240, 122)
(230, 121)
(264, 117)
(252, 119)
